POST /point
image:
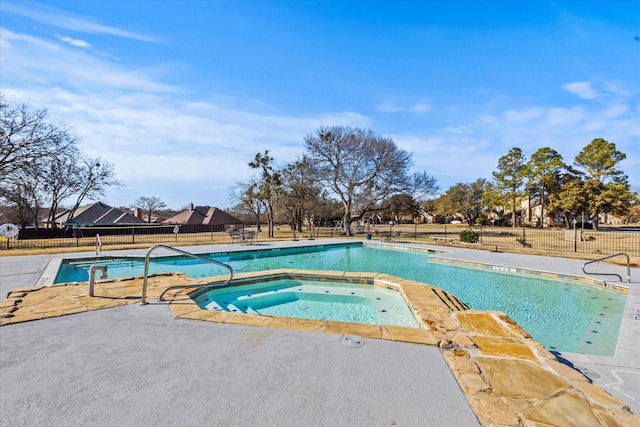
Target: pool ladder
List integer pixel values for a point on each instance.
(143, 301)
(610, 274)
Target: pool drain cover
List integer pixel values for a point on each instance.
(352, 341)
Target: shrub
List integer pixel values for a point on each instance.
(469, 236)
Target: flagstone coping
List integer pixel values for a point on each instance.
(507, 378)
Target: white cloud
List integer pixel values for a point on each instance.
(417, 108)
(32, 59)
(7, 37)
(565, 116)
(581, 89)
(64, 20)
(522, 116)
(615, 110)
(74, 42)
(155, 142)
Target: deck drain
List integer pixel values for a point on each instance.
(352, 341)
(636, 314)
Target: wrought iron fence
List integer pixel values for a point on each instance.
(603, 241)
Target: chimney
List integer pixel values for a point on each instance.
(137, 212)
(191, 206)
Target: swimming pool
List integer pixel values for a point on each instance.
(312, 299)
(563, 316)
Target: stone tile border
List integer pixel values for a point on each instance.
(507, 378)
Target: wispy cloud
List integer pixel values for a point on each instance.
(73, 42)
(581, 89)
(64, 20)
(417, 108)
(36, 60)
(8, 37)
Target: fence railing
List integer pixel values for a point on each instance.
(602, 241)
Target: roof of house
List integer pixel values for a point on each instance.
(207, 215)
(99, 214)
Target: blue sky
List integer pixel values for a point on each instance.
(181, 95)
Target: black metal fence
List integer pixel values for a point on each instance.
(589, 241)
(109, 236)
(603, 241)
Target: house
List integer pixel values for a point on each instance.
(205, 215)
(98, 214)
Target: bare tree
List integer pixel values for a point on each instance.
(246, 196)
(26, 136)
(360, 167)
(149, 205)
(92, 179)
(40, 163)
(301, 196)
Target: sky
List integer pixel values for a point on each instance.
(180, 95)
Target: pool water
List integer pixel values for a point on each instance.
(309, 299)
(563, 316)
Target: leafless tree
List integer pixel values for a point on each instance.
(40, 164)
(26, 136)
(149, 205)
(362, 169)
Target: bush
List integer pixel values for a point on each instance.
(469, 236)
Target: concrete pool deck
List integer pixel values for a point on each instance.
(146, 364)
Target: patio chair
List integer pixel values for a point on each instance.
(235, 236)
(250, 237)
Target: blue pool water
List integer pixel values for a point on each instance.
(563, 316)
(309, 299)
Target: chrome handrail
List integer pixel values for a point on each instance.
(610, 274)
(171, 248)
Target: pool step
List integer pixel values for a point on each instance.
(450, 300)
(236, 309)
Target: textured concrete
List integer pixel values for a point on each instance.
(138, 366)
(481, 354)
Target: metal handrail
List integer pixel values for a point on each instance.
(171, 248)
(611, 274)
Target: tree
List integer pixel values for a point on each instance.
(26, 136)
(92, 179)
(465, 199)
(403, 205)
(150, 205)
(544, 169)
(245, 194)
(509, 179)
(571, 199)
(40, 164)
(360, 167)
(600, 161)
(267, 186)
(301, 194)
(605, 184)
